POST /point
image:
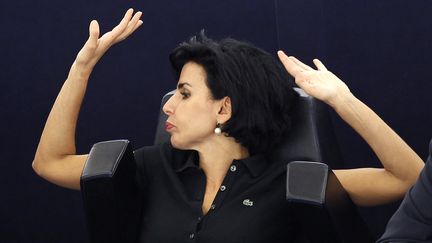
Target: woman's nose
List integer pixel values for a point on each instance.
(168, 107)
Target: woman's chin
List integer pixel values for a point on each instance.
(177, 144)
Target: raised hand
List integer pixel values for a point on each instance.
(96, 47)
(321, 83)
(56, 159)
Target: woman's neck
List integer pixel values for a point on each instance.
(215, 158)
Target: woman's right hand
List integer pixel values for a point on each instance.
(56, 159)
(96, 47)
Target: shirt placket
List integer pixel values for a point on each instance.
(217, 202)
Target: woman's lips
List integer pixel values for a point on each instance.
(168, 126)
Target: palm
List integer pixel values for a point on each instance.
(95, 47)
(319, 83)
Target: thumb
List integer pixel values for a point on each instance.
(319, 65)
(93, 30)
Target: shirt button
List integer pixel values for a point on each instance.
(213, 206)
(233, 168)
(191, 236)
(223, 188)
(199, 218)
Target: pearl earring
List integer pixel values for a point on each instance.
(218, 130)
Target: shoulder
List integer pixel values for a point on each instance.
(147, 152)
(148, 155)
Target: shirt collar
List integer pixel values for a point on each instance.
(256, 164)
(190, 160)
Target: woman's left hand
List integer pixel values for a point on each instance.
(365, 186)
(321, 83)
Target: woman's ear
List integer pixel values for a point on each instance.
(225, 110)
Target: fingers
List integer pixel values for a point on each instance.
(133, 24)
(301, 64)
(140, 22)
(320, 66)
(293, 68)
(126, 27)
(134, 21)
(124, 22)
(95, 47)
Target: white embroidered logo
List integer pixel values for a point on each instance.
(248, 202)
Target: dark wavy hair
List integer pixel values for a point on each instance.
(260, 89)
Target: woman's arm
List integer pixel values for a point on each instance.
(56, 159)
(366, 186)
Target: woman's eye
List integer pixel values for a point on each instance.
(185, 95)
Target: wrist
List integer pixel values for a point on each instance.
(80, 71)
(338, 101)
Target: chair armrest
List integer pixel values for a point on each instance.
(110, 193)
(324, 209)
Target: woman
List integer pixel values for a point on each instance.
(213, 182)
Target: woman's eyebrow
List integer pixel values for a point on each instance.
(182, 84)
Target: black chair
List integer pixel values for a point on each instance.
(323, 208)
(112, 200)
(110, 195)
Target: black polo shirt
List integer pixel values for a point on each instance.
(249, 207)
(412, 222)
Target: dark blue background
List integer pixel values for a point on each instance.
(382, 49)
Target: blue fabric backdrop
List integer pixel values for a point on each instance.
(381, 49)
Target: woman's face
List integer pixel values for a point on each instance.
(192, 113)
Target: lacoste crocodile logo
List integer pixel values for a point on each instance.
(248, 202)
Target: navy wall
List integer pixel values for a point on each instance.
(381, 49)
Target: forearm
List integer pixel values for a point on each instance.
(395, 155)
